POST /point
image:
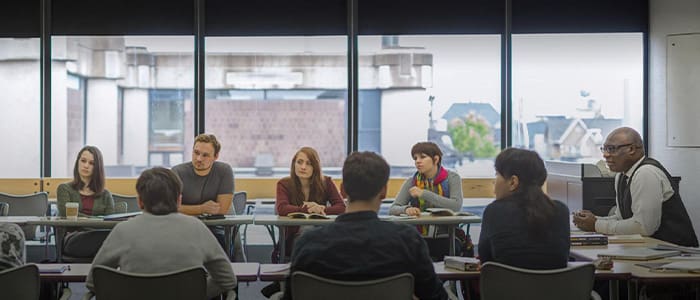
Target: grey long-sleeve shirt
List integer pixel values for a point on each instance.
(454, 202)
(157, 244)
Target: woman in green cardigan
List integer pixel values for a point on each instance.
(86, 189)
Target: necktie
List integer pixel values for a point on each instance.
(622, 188)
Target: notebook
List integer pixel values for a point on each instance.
(53, 268)
(638, 253)
(121, 217)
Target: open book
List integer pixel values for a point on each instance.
(301, 215)
(688, 266)
(462, 263)
(443, 212)
(638, 253)
(682, 249)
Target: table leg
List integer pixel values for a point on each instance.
(451, 236)
(60, 234)
(227, 242)
(614, 291)
(282, 242)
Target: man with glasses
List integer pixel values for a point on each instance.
(647, 203)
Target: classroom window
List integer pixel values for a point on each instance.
(439, 88)
(268, 96)
(107, 91)
(20, 116)
(571, 90)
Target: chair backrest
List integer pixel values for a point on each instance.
(132, 204)
(20, 283)
(499, 281)
(27, 205)
(4, 209)
(188, 283)
(239, 202)
(306, 286)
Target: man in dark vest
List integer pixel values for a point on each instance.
(647, 202)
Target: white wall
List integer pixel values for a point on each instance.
(672, 17)
(61, 160)
(135, 127)
(404, 123)
(101, 117)
(19, 118)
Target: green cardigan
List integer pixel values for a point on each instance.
(104, 204)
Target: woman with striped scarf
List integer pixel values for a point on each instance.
(431, 186)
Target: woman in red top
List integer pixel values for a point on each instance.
(306, 190)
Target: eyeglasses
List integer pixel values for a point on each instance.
(613, 148)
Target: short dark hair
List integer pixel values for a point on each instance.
(364, 175)
(210, 139)
(159, 189)
(428, 148)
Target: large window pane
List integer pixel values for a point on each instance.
(571, 90)
(20, 99)
(441, 88)
(131, 96)
(268, 96)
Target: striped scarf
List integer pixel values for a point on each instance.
(437, 185)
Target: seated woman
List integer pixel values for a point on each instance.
(431, 186)
(306, 190)
(523, 227)
(86, 189)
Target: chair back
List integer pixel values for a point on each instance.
(4, 209)
(499, 281)
(306, 286)
(27, 205)
(239, 202)
(132, 204)
(20, 283)
(183, 284)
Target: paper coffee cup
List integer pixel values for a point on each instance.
(72, 210)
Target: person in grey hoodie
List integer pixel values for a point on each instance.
(163, 240)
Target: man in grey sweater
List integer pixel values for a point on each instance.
(163, 240)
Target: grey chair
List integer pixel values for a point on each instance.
(22, 283)
(499, 281)
(184, 284)
(306, 286)
(27, 205)
(4, 209)
(238, 207)
(132, 204)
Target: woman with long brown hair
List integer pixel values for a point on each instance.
(307, 190)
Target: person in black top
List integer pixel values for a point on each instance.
(524, 227)
(358, 245)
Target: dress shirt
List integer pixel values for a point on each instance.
(649, 188)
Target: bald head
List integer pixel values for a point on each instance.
(629, 136)
(623, 148)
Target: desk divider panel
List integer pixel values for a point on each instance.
(20, 186)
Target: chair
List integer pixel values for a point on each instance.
(183, 284)
(27, 205)
(306, 286)
(20, 282)
(499, 281)
(4, 209)
(238, 207)
(132, 204)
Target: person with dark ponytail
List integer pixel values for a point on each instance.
(524, 227)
